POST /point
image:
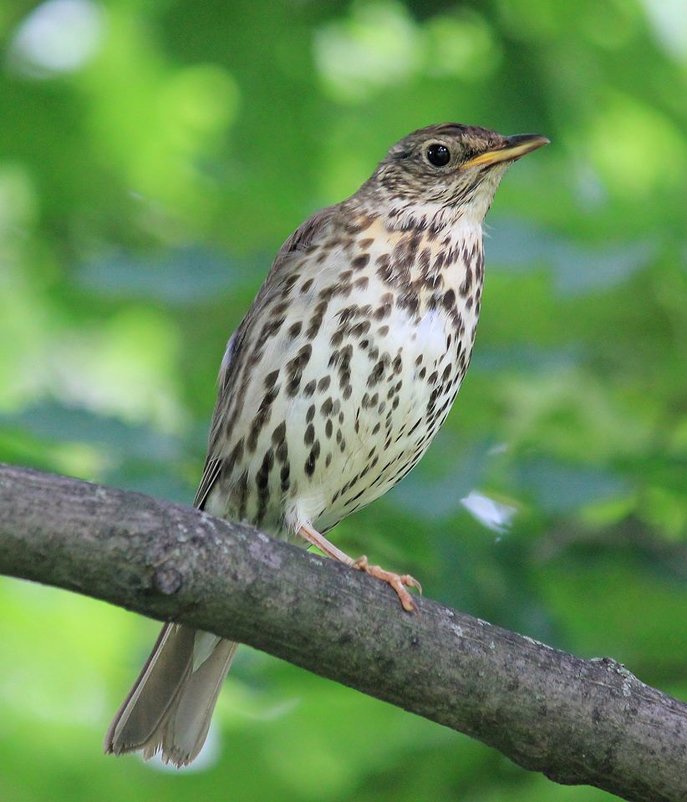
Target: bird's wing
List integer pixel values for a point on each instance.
(292, 248)
(213, 465)
(304, 236)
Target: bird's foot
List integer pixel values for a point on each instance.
(399, 582)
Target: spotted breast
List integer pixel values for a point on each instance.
(357, 354)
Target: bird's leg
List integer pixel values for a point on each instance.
(399, 582)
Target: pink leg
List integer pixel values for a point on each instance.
(399, 582)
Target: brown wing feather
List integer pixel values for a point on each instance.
(304, 236)
(301, 238)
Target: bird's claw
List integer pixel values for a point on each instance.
(399, 582)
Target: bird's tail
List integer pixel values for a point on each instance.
(169, 708)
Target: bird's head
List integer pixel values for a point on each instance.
(451, 170)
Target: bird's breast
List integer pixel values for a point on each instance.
(395, 367)
(351, 374)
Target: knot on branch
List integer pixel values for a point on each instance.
(167, 580)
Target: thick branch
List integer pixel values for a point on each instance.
(578, 721)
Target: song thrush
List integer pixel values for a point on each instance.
(334, 385)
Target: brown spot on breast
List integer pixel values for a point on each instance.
(424, 261)
(479, 264)
(270, 379)
(294, 369)
(316, 319)
(284, 477)
(235, 457)
(241, 493)
(465, 287)
(279, 434)
(384, 309)
(360, 328)
(289, 284)
(262, 475)
(409, 301)
(261, 418)
(269, 397)
(359, 224)
(347, 313)
(311, 461)
(376, 374)
(384, 270)
(269, 330)
(439, 260)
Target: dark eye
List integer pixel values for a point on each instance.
(438, 155)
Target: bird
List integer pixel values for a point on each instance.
(333, 386)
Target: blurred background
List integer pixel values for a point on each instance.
(153, 157)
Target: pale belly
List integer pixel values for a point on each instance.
(403, 379)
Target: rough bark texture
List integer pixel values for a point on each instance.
(577, 721)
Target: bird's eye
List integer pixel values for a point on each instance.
(438, 155)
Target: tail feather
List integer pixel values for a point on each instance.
(186, 730)
(169, 708)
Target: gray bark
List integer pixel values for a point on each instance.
(577, 721)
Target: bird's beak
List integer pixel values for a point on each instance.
(512, 148)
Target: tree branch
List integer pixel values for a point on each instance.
(577, 721)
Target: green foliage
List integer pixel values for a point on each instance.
(152, 158)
